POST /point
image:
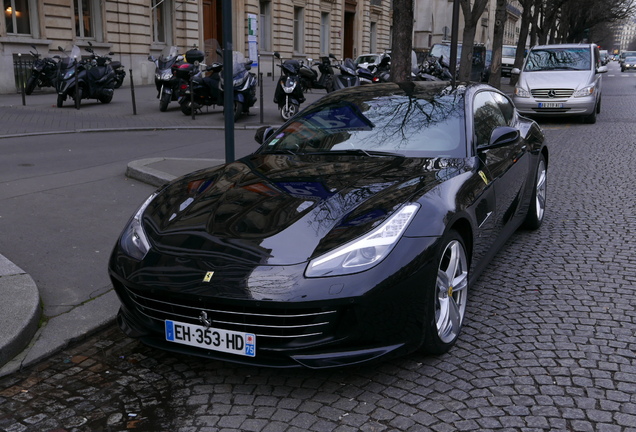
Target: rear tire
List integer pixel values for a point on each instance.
(186, 108)
(31, 84)
(536, 211)
(446, 297)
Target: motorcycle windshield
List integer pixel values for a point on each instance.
(238, 63)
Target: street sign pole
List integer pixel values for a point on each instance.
(228, 87)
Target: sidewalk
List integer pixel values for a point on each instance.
(22, 343)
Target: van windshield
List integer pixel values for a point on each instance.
(558, 59)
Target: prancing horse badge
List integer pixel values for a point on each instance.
(208, 276)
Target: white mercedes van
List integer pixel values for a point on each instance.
(560, 80)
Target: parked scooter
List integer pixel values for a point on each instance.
(348, 75)
(309, 78)
(289, 92)
(166, 80)
(243, 83)
(43, 72)
(196, 89)
(85, 79)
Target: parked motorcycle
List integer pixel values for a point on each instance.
(243, 83)
(85, 79)
(348, 75)
(309, 78)
(43, 72)
(166, 80)
(289, 92)
(196, 89)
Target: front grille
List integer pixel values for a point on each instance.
(278, 324)
(551, 93)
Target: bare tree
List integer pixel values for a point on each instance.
(402, 40)
(497, 44)
(471, 19)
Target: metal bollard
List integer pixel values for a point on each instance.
(260, 83)
(21, 79)
(132, 92)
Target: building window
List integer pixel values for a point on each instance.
(17, 17)
(373, 42)
(265, 25)
(324, 33)
(160, 20)
(83, 19)
(299, 30)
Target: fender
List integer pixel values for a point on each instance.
(239, 97)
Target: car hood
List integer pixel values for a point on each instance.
(555, 79)
(274, 209)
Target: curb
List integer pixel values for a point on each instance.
(19, 318)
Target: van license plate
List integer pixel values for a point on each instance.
(550, 105)
(210, 338)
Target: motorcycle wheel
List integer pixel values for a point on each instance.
(238, 110)
(60, 101)
(288, 111)
(186, 108)
(31, 84)
(164, 101)
(106, 98)
(329, 84)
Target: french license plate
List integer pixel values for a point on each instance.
(210, 338)
(550, 105)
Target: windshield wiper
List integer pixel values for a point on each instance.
(368, 153)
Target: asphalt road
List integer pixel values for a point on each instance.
(549, 342)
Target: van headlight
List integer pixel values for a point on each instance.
(585, 91)
(366, 252)
(521, 92)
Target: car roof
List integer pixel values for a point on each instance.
(574, 45)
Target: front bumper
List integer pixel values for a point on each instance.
(555, 106)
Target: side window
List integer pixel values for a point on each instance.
(506, 107)
(486, 116)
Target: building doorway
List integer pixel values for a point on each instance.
(213, 20)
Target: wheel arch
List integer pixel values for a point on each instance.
(465, 230)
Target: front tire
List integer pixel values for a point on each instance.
(536, 212)
(106, 98)
(60, 100)
(445, 302)
(164, 101)
(186, 108)
(31, 84)
(288, 111)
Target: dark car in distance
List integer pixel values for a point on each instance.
(629, 63)
(352, 234)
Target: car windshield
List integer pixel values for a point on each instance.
(509, 51)
(630, 59)
(366, 59)
(440, 50)
(558, 59)
(412, 126)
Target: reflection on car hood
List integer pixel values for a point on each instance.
(282, 209)
(565, 79)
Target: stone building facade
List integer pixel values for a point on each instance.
(135, 29)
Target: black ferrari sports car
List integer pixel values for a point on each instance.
(352, 234)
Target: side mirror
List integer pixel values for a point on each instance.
(515, 71)
(500, 137)
(151, 58)
(263, 133)
(332, 56)
(111, 53)
(601, 69)
(276, 54)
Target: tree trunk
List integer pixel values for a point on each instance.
(471, 18)
(402, 40)
(497, 43)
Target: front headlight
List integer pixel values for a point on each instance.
(134, 241)
(521, 92)
(586, 91)
(69, 74)
(366, 252)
